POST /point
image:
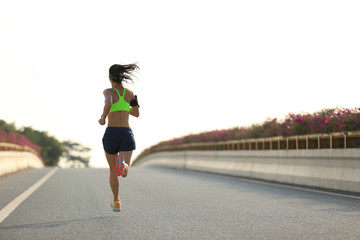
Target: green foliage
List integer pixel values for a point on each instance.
(8, 127)
(76, 154)
(51, 148)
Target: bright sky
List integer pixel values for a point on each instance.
(205, 64)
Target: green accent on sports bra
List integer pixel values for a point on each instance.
(120, 105)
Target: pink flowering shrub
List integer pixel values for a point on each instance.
(324, 121)
(19, 139)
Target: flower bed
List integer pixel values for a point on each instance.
(19, 139)
(341, 120)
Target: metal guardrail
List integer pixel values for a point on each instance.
(313, 141)
(16, 147)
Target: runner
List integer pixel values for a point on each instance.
(118, 140)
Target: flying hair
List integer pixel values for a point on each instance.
(119, 72)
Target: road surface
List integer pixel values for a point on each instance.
(159, 203)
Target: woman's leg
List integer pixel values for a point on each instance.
(127, 156)
(114, 181)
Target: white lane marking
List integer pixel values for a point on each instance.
(8, 209)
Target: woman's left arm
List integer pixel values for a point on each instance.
(134, 110)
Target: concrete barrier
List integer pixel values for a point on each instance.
(13, 161)
(336, 169)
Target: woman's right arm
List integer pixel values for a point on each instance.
(107, 107)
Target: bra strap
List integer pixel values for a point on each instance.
(117, 92)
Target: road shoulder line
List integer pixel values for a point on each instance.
(8, 209)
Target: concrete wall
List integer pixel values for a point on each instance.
(13, 161)
(337, 169)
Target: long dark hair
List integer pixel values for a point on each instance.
(119, 73)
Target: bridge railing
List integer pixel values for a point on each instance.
(313, 141)
(16, 147)
(14, 157)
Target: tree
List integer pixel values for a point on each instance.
(76, 154)
(51, 148)
(8, 127)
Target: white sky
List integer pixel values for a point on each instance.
(205, 65)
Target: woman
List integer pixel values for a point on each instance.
(118, 140)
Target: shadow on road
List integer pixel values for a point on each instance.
(54, 224)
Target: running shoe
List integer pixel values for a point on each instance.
(120, 165)
(125, 171)
(116, 206)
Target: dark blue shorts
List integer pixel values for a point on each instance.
(118, 139)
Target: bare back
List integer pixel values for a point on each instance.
(119, 118)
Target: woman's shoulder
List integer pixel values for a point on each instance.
(108, 90)
(129, 91)
(129, 95)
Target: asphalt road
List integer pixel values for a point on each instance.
(171, 204)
